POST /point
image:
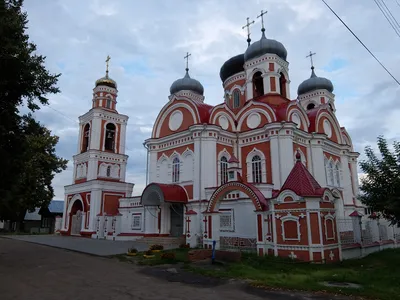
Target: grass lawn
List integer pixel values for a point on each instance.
(181, 255)
(379, 274)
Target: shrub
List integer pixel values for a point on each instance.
(168, 255)
(132, 250)
(184, 246)
(148, 252)
(156, 247)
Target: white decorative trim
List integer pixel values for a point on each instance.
(287, 193)
(290, 218)
(249, 158)
(165, 112)
(331, 218)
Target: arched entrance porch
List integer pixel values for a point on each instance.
(75, 214)
(241, 230)
(165, 205)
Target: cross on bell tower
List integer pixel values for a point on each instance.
(248, 30)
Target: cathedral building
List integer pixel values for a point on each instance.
(263, 170)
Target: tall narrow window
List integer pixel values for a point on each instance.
(224, 170)
(282, 85)
(258, 85)
(86, 137)
(256, 169)
(236, 99)
(175, 169)
(337, 175)
(108, 172)
(330, 174)
(109, 143)
(108, 105)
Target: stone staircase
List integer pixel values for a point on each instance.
(167, 242)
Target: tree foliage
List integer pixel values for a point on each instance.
(381, 186)
(27, 148)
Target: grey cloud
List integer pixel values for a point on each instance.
(77, 35)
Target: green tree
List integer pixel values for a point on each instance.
(24, 80)
(381, 186)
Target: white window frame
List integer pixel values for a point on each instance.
(224, 170)
(136, 217)
(249, 159)
(236, 98)
(227, 213)
(176, 166)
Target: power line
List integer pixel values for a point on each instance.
(388, 15)
(394, 78)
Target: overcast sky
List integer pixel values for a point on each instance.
(147, 41)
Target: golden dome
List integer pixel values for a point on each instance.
(107, 81)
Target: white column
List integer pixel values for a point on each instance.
(64, 222)
(122, 139)
(317, 155)
(152, 166)
(208, 162)
(122, 171)
(79, 139)
(95, 134)
(345, 181)
(95, 205)
(285, 141)
(266, 83)
(275, 162)
(92, 169)
(197, 185)
(249, 90)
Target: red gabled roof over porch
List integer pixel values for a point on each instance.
(155, 193)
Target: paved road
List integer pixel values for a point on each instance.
(85, 245)
(36, 272)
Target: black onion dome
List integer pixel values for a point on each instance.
(314, 83)
(264, 46)
(231, 67)
(107, 81)
(186, 83)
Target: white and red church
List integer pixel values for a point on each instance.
(259, 171)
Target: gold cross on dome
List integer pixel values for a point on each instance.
(310, 56)
(262, 18)
(107, 60)
(187, 60)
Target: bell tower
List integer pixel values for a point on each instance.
(99, 165)
(102, 134)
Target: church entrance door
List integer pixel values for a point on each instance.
(176, 211)
(76, 223)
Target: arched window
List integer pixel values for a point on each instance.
(258, 85)
(108, 172)
(86, 138)
(330, 174)
(109, 143)
(224, 170)
(236, 99)
(175, 169)
(310, 106)
(337, 175)
(256, 169)
(282, 85)
(108, 105)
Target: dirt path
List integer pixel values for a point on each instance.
(31, 271)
